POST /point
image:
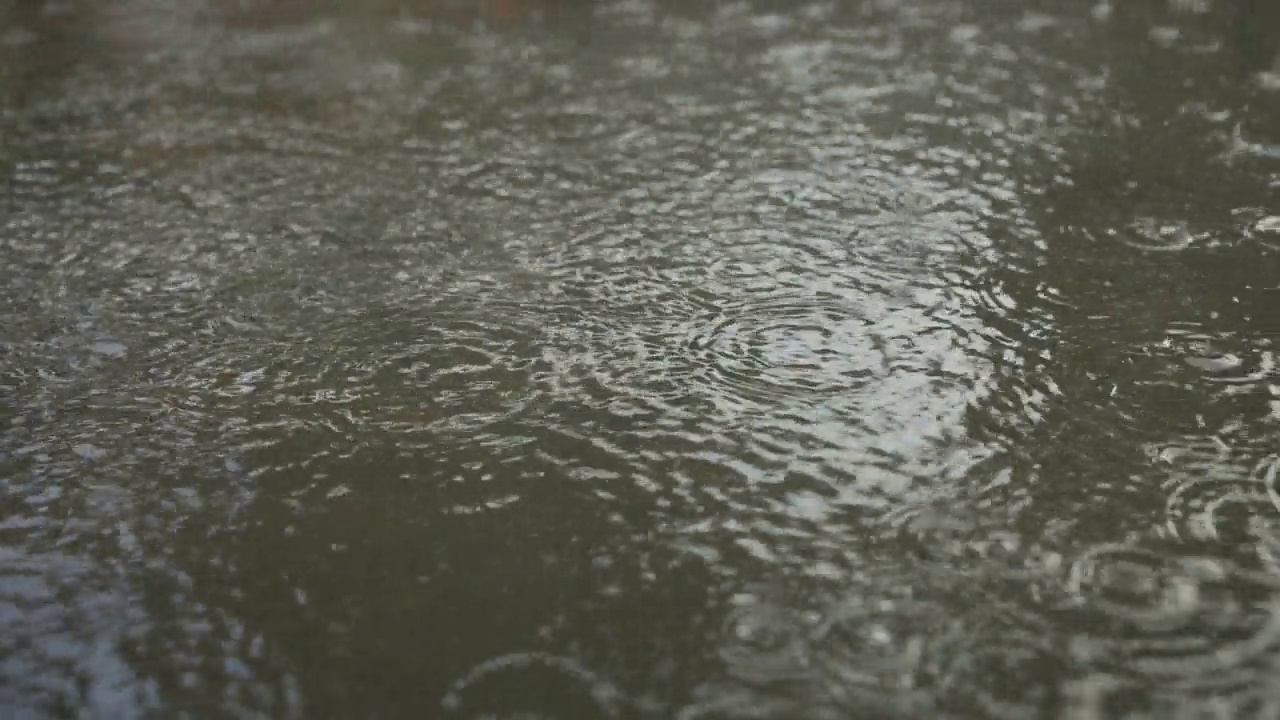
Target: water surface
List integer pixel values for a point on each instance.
(646, 359)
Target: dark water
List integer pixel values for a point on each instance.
(653, 360)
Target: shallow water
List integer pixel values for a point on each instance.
(646, 359)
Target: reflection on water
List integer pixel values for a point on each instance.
(638, 359)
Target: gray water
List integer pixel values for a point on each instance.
(639, 360)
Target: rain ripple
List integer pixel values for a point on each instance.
(1171, 631)
(1215, 498)
(785, 347)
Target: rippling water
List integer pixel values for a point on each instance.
(639, 360)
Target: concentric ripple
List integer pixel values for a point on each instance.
(1154, 235)
(1219, 503)
(865, 652)
(517, 684)
(1134, 586)
(1181, 626)
(1239, 363)
(788, 349)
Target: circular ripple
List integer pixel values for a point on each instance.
(1247, 366)
(1184, 622)
(1007, 667)
(1219, 504)
(526, 684)
(1133, 586)
(858, 654)
(1152, 235)
(788, 349)
(459, 362)
(764, 642)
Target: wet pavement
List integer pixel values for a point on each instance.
(643, 359)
